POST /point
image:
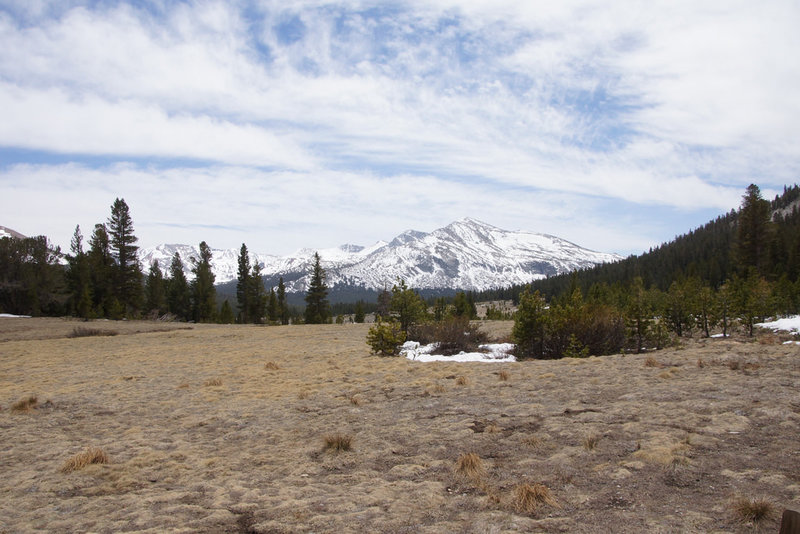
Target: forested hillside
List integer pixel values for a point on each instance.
(712, 253)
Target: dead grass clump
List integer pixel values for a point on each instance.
(470, 466)
(493, 428)
(700, 363)
(354, 399)
(734, 365)
(83, 331)
(529, 497)
(338, 442)
(271, 366)
(437, 388)
(25, 405)
(752, 509)
(213, 382)
(91, 455)
(590, 441)
(504, 375)
(533, 442)
(462, 380)
(652, 362)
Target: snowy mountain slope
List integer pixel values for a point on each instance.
(467, 254)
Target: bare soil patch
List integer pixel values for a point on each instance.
(227, 429)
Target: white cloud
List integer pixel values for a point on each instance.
(510, 104)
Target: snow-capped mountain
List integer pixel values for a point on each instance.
(467, 254)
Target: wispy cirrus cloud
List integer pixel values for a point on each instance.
(670, 106)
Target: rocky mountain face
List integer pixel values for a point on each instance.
(467, 254)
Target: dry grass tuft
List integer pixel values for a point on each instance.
(528, 498)
(652, 362)
(462, 380)
(533, 442)
(469, 465)
(700, 363)
(590, 441)
(437, 388)
(271, 366)
(25, 405)
(493, 428)
(354, 399)
(752, 509)
(91, 455)
(504, 375)
(83, 331)
(213, 382)
(338, 442)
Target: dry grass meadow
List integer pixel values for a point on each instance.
(161, 428)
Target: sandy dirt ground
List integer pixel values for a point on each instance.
(224, 428)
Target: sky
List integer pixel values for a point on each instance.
(615, 125)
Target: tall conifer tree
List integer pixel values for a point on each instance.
(178, 296)
(283, 307)
(243, 285)
(127, 271)
(317, 311)
(204, 295)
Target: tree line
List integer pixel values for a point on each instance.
(104, 279)
(732, 273)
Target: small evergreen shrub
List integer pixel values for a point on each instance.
(385, 338)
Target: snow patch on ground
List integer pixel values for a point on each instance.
(787, 324)
(495, 352)
(8, 315)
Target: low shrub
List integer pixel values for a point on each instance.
(454, 335)
(385, 338)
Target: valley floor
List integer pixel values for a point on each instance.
(222, 429)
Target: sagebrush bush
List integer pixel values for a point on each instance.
(453, 334)
(385, 338)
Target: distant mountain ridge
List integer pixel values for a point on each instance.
(467, 254)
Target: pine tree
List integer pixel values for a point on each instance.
(78, 277)
(243, 285)
(101, 269)
(155, 293)
(753, 231)
(127, 271)
(272, 306)
(359, 312)
(317, 311)
(407, 305)
(256, 295)
(204, 295)
(178, 296)
(283, 307)
(384, 303)
(529, 327)
(226, 313)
